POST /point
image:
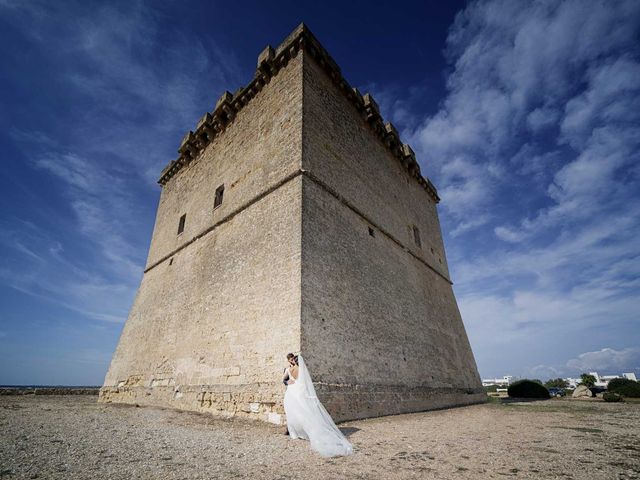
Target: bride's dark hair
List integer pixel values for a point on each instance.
(295, 359)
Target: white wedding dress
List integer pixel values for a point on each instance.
(308, 419)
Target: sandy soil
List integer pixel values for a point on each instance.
(69, 437)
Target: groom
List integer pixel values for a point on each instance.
(286, 379)
(291, 359)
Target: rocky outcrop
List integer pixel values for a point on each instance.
(581, 391)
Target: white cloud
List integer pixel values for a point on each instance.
(536, 155)
(508, 235)
(469, 225)
(130, 100)
(611, 97)
(542, 118)
(62, 281)
(516, 68)
(539, 136)
(607, 360)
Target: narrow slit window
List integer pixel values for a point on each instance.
(219, 194)
(416, 236)
(371, 232)
(183, 219)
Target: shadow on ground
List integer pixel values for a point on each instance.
(348, 431)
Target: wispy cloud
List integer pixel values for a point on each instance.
(129, 97)
(535, 152)
(607, 359)
(59, 278)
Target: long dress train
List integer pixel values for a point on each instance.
(308, 419)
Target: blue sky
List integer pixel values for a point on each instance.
(525, 115)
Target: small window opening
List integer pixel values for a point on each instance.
(219, 193)
(371, 232)
(183, 219)
(171, 261)
(416, 236)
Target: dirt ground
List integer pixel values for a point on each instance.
(73, 437)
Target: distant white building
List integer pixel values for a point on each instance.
(573, 382)
(506, 380)
(601, 380)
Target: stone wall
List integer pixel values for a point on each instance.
(257, 150)
(381, 330)
(212, 322)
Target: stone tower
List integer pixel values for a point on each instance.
(295, 219)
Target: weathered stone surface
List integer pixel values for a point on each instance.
(380, 324)
(327, 241)
(581, 391)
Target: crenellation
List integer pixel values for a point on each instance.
(265, 58)
(270, 62)
(392, 138)
(225, 98)
(356, 98)
(185, 144)
(206, 124)
(204, 120)
(371, 107)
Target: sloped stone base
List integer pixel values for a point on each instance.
(264, 401)
(352, 402)
(254, 401)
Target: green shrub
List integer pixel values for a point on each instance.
(490, 388)
(629, 388)
(611, 397)
(527, 389)
(617, 383)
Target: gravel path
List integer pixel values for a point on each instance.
(73, 437)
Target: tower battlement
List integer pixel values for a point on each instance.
(270, 62)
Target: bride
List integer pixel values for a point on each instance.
(307, 418)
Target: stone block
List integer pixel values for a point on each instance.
(369, 102)
(274, 418)
(266, 56)
(226, 97)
